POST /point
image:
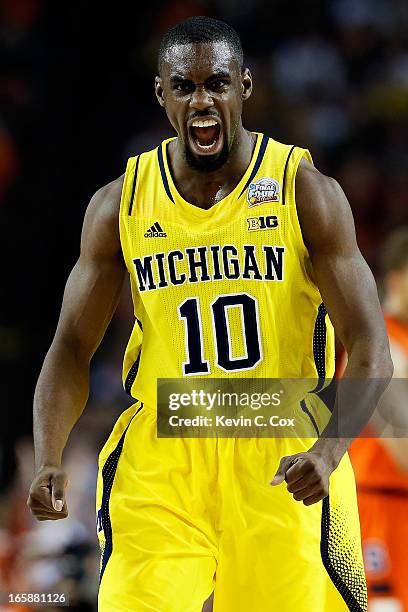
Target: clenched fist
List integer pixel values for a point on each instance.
(307, 476)
(46, 498)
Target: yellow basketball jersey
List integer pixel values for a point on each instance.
(223, 292)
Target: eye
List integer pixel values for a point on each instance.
(183, 87)
(218, 84)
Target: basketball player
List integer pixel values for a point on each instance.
(381, 464)
(233, 243)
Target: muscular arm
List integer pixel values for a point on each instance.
(90, 298)
(347, 287)
(349, 293)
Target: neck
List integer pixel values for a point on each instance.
(394, 307)
(203, 189)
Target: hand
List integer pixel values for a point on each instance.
(307, 476)
(46, 499)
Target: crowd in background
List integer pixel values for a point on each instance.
(76, 99)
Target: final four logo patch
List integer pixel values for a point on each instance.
(263, 190)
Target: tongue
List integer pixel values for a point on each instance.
(205, 135)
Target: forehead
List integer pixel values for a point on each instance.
(197, 61)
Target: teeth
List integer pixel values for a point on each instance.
(203, 123)
(206, 146)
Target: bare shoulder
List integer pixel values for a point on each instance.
(311, 182)
(323, 209)
(101, 224)
(105, 202)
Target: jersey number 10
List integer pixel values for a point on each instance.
(190, 312)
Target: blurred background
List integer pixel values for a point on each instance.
(77, 99)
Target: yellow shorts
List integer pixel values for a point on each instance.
(180, 518)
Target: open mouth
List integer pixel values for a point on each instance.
(206, 136)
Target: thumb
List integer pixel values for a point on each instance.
(58, 482)
(281, 471)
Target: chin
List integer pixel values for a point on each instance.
(206, 163)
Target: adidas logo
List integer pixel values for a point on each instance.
(155, 231)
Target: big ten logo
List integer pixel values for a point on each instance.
(262, 223)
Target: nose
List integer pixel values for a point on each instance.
(200, 99)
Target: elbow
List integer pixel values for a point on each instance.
(383, 364)
(387, 363)
(378, 368)
(373, 358)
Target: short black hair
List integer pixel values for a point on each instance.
(201, 30)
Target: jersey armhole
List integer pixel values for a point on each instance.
(320, 339)
(129, 186)
(295, 156)
(127, 205)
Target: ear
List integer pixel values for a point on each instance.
(246, 83)
(159, 90)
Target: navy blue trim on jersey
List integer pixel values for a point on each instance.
(132, 197)
(131, 376)
(163, 172)
(319, 347)
(329, 561)
(310, 415)
(258, 162)
(108, 476)
(328, 394)
(284, 174)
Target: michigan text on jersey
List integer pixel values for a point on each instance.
(203, 263)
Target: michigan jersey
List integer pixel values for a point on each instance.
(220, 292)
(223, 292)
